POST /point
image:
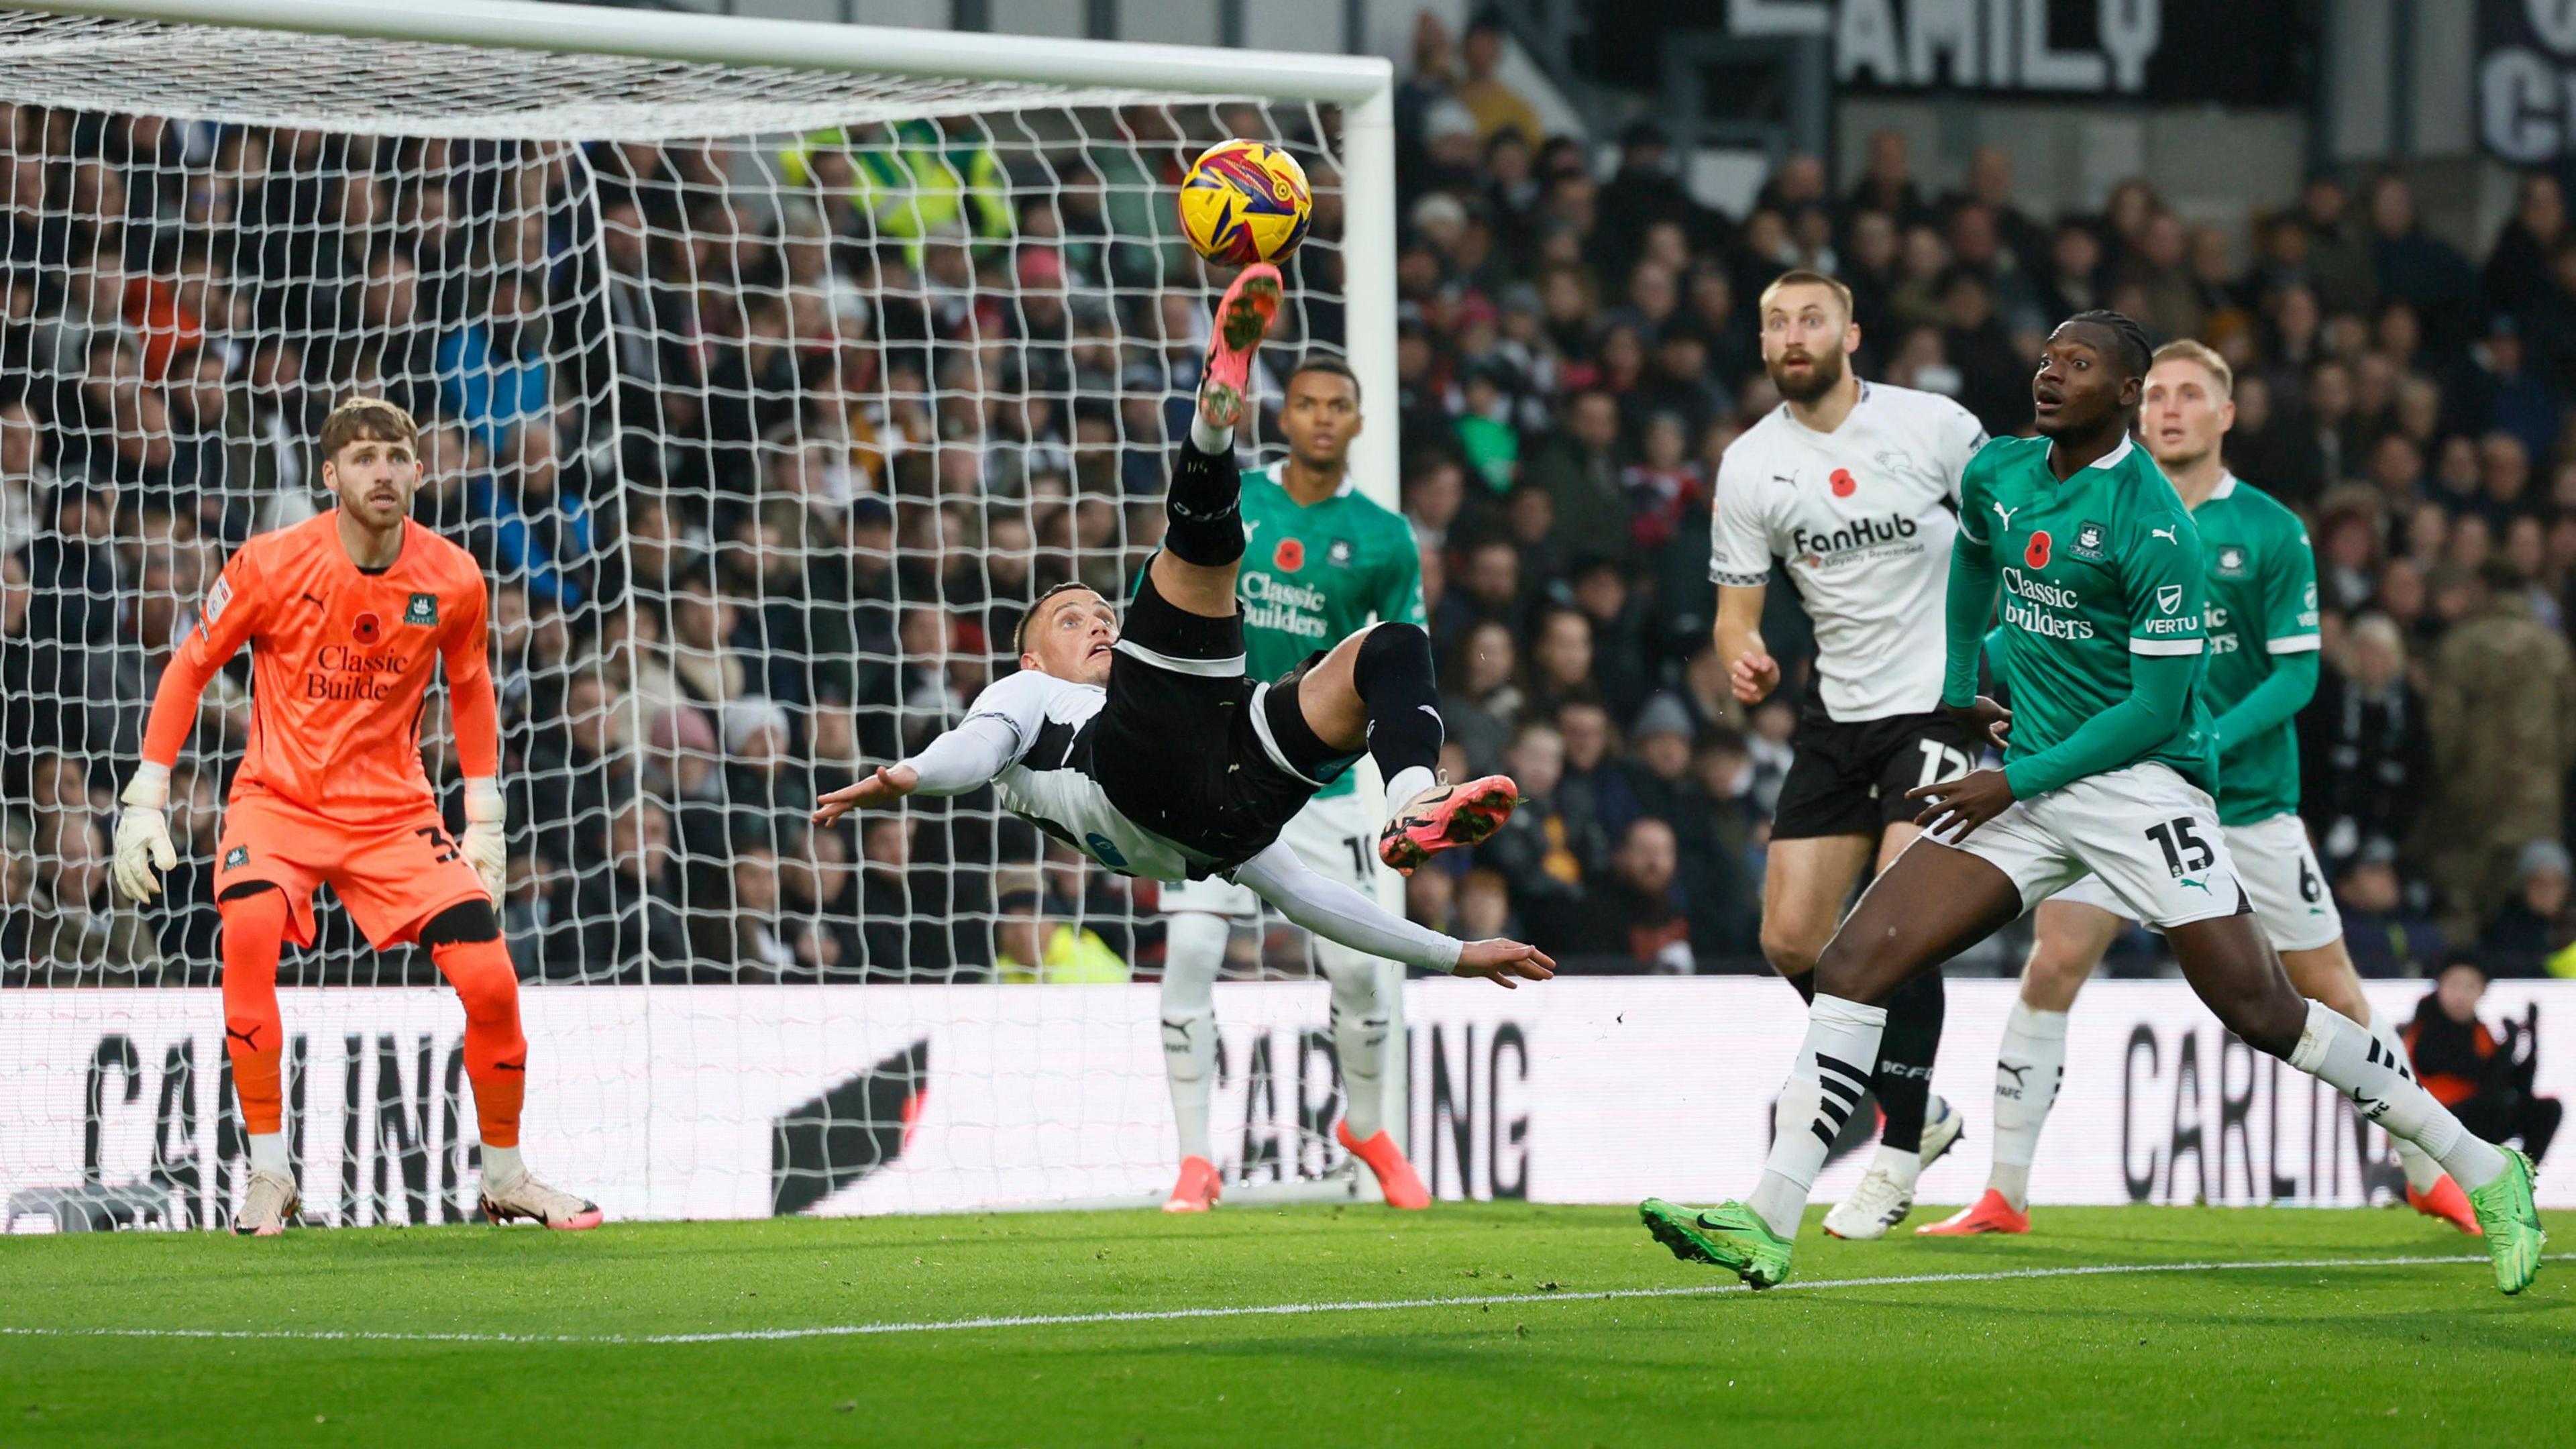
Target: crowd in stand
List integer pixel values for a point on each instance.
(766, 450)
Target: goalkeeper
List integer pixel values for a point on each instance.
(345, 614)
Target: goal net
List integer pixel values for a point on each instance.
(768, 395)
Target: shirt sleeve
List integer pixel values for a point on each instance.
(1007, 715)
(1739, 537)
(228, 619)
(2167, 592)
(982, 746)
(2290, 596)
(1401, 602)
(1342, 915)
(1957, 438)
(1970, 494)
(474, 706)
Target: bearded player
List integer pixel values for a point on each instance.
(2263, 644)
(1855, 486)
(2108, 770)
(1320, 562)
(1148, 748)
(345, 615)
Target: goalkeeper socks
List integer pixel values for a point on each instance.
(2028, 1069)
(1360, 1030)
(496, 1055)
(268, 1154)
(254, 934)
(1394, 677)
(2345, 1056)
(1903, 1075)
(1205, 506)
(1193, 955)
(501, 1167)
(2422, 1172)
(1823, 1086)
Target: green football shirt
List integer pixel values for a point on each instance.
(2100, 567)
(1314, 574)
(2262, 605)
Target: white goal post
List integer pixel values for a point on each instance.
(768, 364)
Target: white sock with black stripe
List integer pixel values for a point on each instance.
(2343, 1054)
(1831, 1073)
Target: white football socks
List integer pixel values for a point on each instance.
(1193, 954)
(2028, 1068)
(268, 1154)
(1207, 437)
(2344, 1055)
(1360, 1036)
(1409, 783)
(2422, 1172)
(1826, 1082)
(502, 1168)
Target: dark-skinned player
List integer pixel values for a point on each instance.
(2110, 768)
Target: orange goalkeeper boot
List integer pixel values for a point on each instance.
(2448, 1203)
(1988, 1214)
(1198, 1189)
(1395, 1176)
(1445, 818)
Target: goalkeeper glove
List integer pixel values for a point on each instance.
(143, 848)
(487, 832)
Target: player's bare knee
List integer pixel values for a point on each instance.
(2052, 977)
(1789, 953)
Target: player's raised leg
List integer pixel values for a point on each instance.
(1203, 543)
(2235, 973)
(1375, 691)
(1932, 903)
(2071, 937)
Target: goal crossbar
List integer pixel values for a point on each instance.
(789, 44)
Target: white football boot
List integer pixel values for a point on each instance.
(269, 1207)
(533, 1200)
(1881, 1202)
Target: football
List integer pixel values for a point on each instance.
(1245, 202)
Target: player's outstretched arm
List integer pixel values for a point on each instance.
(981, 747)
(1345, 917)
(224, 621)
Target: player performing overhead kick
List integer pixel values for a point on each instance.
(1321, 562)
(1856, 486)
(2263, 645)
(344, 615)
(1149, 750)
(2108, 771)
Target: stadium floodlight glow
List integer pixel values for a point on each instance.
(849, 337)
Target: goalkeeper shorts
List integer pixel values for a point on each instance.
(393, 876)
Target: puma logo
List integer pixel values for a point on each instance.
(308, 598)
(2005, 514)
(2020, 1074)
(2166, 534)
(249, 1039)
(2200, 886)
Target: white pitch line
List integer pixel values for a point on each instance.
(1260, 1310)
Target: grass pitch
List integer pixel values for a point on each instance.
(701, 1334)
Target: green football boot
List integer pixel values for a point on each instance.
(1729, 1235)
(2512, 1223)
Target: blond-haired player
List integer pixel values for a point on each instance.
(2263, 644)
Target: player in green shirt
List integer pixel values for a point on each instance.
(1320, 562)
(2108, 770)
(2263, 641)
